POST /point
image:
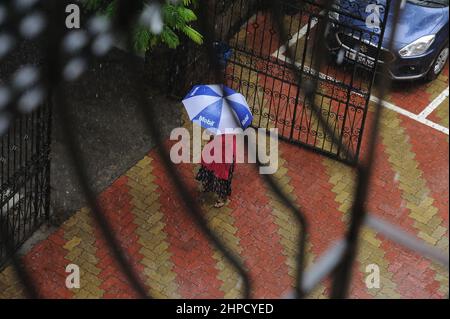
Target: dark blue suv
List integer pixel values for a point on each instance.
(421, 42)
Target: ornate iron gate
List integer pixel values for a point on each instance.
(264, 67)
(24, 177)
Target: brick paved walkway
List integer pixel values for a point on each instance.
(410, 189)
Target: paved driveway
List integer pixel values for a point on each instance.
(174, 259)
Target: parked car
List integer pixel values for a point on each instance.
(420, 48)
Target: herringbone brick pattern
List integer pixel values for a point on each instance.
(81, 250)
(175, 260)
(157, 263)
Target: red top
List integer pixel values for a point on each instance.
(220, 167)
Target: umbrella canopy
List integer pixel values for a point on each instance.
(217, 108)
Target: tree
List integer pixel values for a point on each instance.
(177, 17)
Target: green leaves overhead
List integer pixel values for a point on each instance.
(177, 19)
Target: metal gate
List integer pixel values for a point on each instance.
(264, 67)
(24, 178)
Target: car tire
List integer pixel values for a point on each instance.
(438, 64)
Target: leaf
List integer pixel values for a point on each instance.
(176, 18)
(142, 37)
(193, 34)
(111, 9)
(187, 14)
(170, 38)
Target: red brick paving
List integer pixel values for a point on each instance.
(117, 208)
(47, 265)
(325, 221)
(391, 207)
(191, 253)
(261, 249)
(432, 151)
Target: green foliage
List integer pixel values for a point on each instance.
(177, 20)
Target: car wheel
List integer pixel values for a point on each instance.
(438, 64)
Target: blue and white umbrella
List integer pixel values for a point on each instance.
(217, 108)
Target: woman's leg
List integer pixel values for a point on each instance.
(226, 190)
(204, 177)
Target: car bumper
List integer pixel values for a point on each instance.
(399, 68)
(411, 68)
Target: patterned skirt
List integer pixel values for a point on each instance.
(212, 183)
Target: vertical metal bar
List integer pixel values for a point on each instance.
(47, 172)
(349, 91)
(37, 173)
(289, 83)
(251, 57)
(343, 272)
(257, 86)
(261, 110)
(318, 123)
(300, 79)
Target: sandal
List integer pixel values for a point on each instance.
(219, 204)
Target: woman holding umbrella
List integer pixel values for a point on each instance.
(216, 176)
(219, 109)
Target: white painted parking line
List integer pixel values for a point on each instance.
(421, 118)
(297, 36)
(411, 115)
(434, 104)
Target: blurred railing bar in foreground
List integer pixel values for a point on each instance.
(328, 261)
(343, 272)
(401, 237)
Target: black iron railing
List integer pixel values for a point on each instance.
(25, 177)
